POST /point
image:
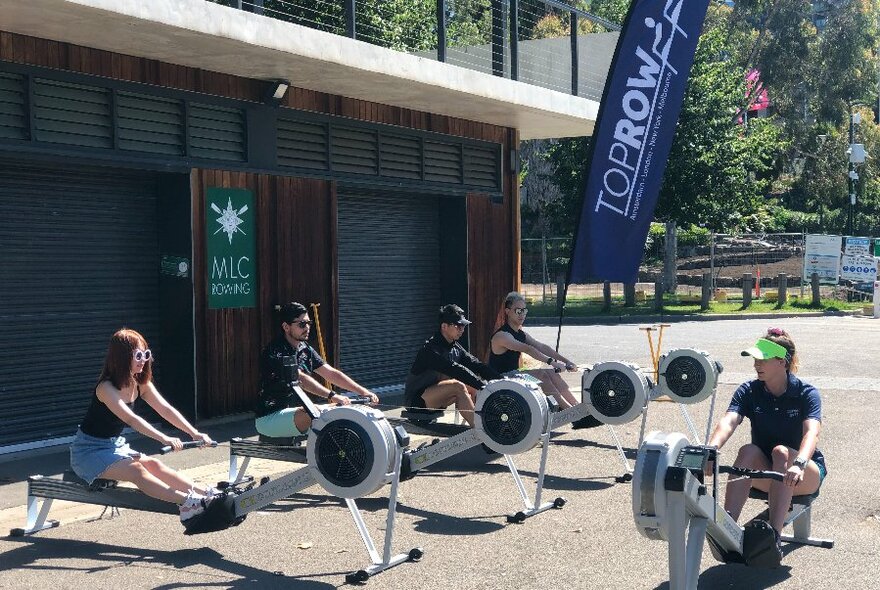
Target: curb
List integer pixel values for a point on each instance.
(655, 318)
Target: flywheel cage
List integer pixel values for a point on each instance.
(612, 393)
(344, 453)
(685, 376)
(506, 417)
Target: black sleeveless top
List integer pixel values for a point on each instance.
(100, 421)
(509, 360)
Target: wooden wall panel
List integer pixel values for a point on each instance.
(295, 263)
(493, 253)
(305, 269)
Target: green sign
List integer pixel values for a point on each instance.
(877, 247)
(231, 246)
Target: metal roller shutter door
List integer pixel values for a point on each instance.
(80, 258)
(389, 283)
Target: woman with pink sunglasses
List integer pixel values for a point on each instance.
(785, 414)
(100, 451)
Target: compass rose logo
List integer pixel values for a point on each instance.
(230, 219)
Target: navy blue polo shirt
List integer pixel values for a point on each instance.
(778, 420)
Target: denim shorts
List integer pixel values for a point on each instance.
(90, 456)
(278, 424)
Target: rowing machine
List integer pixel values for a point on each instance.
(688, 377)
(511, 416)
(42, 491)
(352, 452)
(615, 393)
(288, 449)
(671, 503)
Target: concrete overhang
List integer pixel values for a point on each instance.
(205, 35)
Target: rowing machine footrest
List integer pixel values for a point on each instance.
(759, 545)
(424, 415)
(219, 515)
(96, 486)
(406, 471)
(284, 441)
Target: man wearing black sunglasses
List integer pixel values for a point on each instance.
(444, 372)
(274, 411)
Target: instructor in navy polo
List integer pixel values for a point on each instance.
(785, 414)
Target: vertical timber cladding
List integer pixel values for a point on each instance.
(389, 282)
(81, 259)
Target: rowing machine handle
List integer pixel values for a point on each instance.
(192, 444)
(753, 473)
(361, 400)
(356, 399)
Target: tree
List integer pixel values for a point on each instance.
(816, 58)
(719, 168)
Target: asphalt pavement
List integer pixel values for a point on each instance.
(456, 511)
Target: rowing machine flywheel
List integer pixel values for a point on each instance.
(688, 376)
(615, 391)
(351, 450)
(657, 453)
(511, 415)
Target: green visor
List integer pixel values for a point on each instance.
(766, 349)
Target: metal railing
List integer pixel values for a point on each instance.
(726, 257)
(546, 43)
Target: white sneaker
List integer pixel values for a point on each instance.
(210, 493)
(192, 506)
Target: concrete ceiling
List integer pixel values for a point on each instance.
(204, 35)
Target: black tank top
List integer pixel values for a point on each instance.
(100, 421)
(509, 359)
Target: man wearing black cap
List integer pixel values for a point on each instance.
(444, 372)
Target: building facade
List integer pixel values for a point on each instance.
(148, 180)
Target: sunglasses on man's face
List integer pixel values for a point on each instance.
(521, 311)
(143, 355)
(303, 324)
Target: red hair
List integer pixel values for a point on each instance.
(117, 363)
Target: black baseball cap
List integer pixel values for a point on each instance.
(453, 314)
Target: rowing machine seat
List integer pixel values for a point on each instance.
(96, 486)
(804, 500)
(428, 415)
(284, 441)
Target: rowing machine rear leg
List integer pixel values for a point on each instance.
(36, 516)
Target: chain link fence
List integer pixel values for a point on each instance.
(725, 257)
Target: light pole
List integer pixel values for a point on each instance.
(856, 155)
(849, 176)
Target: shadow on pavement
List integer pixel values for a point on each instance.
(33, 551)
(738, 577)
(583, 443)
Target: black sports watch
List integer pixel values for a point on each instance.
(800, 462)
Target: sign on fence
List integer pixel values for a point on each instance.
(822, 256)
(857, 246)
(877, 247)
(859, 269)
